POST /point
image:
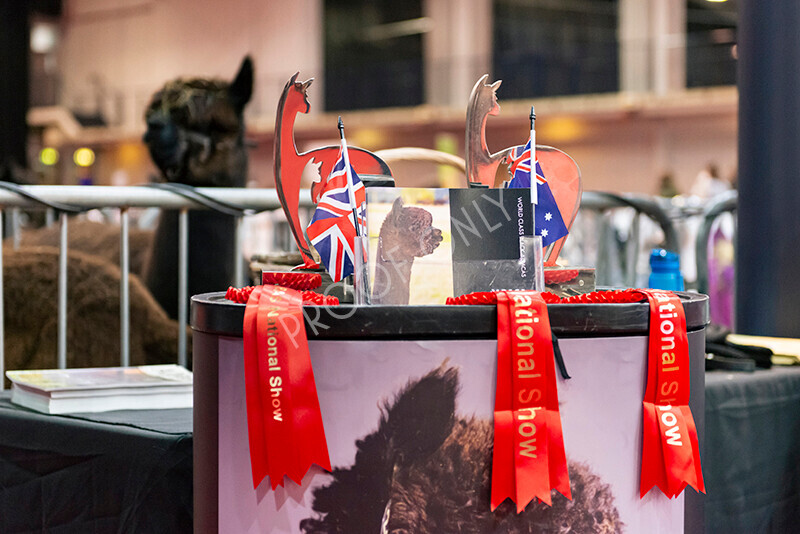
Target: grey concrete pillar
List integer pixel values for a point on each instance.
(457, 49)
(633, 33)
(652, 45)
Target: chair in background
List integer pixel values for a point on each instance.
(592, 244)
(715, 275)
(599, 248)
(615, 233)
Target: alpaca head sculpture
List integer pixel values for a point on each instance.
(408, 232)
(484, 97)
(480, 162)
(195, 129)
(425, 470)
(297, 94)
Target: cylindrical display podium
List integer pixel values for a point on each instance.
(389, 450)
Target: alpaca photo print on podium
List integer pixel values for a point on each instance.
(426, 469)
(408, 426)
(429, 244)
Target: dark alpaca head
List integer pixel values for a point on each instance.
(426, 471)
(195, 129)
(407, 232)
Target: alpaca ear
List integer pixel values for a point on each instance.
(496, 84)
(241, 88)
(397, 207)
(422, 415)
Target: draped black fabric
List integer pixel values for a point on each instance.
(127, 471)
(751, 458)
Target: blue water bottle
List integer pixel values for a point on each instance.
(665, 270)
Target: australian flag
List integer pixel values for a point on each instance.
(547, 218)
(332, 230)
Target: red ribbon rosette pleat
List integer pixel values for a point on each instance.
(242, 295)
(670, 451)
(285, 428)
(292, 279)
(528, 459)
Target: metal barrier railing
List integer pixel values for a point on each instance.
(64, 199)
(643, 205)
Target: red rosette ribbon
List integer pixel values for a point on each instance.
(292, 279)
(528, 458)
(559, 276)
(670, 451)
(241, 296)
(489, 298)
(284, 422)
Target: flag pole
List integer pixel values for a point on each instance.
(350, 192)
(534, 190)
(360, 277)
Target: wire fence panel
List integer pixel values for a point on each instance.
(58, 201)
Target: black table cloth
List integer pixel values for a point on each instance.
(751, 458)
(125, 471)
(131, 471)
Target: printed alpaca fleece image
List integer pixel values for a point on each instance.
(426, 471)
(410, 440)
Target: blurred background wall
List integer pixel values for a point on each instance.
(632, 89)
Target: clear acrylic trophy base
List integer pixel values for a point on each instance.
(496, 275)
(569, 281)
(468, 276)
(361, 284)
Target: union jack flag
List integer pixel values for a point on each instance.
(547, 218)
(520, 167)
(332, 230)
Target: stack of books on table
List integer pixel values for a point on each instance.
(59, 391)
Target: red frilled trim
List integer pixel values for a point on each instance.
(242, 295)
(294, 280)
(559, 276)
(597, 297)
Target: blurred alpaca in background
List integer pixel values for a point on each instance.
(195, 133)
